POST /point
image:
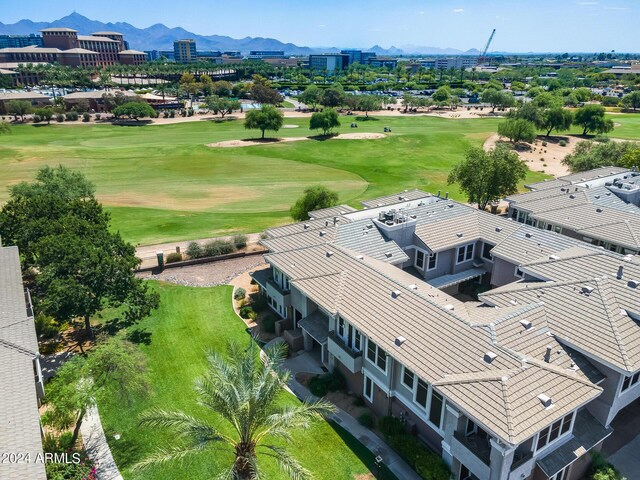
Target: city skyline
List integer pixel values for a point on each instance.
(551, 26)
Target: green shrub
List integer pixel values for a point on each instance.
(259, 302)
(601, 139)
(83, 470)
(601, 469)
(426, 463)
(194, 250)
(246, 311)
(359, 401)
(173, 257)
(48, 327)
(71, 116)
(269, 324)
(86, 117)
(217, 247)
(320, 385)
(544, 144)
(37, 118)
(367, 420)
(98, 116)
(239, 294)
(562, 143)
(240, 241)
(390, 426)
(59, 117)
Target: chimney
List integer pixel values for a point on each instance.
(547, 356)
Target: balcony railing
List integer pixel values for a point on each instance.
(350, 359)
(480, 447)
(519, 460)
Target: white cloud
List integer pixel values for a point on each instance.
(420, 13)
(458, 10)
(617, 9)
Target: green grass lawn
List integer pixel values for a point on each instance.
(162, 183)
(189, 322)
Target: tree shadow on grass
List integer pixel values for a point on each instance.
(139, 336)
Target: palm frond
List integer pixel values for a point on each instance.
(198, 432)
(162, 456)
(287, 464)
(296, 416)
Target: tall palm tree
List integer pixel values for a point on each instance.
(243, 392)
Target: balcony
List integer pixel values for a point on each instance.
(480, 447)
(473, 452)
(350, 359)
(520, 459)
(283, 297)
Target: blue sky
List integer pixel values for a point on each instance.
(522, 25)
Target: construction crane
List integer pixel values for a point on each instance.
(482, 57)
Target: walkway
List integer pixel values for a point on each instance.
(97, 448)
(306, 363)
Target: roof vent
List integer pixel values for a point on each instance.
(388, 254)
(450, 205)
(528, 234)
(413, 286)
(597, 196)
(554, 257)
(322, 233)
(395, 293)
(546, 400)
(587, 289)
(449, 307)
(633, 283)
(329, 253)
(306, 225)
(413, 216)
(399, 341)
(360, 257)
(620, 272)
(547, 355)
(326, 223)
(513, 301)
(599, 210)
(459, 235)
(572, 196)
(498, 229)
(400, 198)
(526, 324)
(490, 357)
(369, 226)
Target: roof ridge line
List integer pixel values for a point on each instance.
(603, 284)
(507, 409)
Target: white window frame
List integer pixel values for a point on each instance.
(426, 409)
(413, 378)
(364, 388)
(468, 247)
(548, 429)
(425, 255)
(433, 255)
(490, 259)
(375, 361)
(633, 381)
(561, 475)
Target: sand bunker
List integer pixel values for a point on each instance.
(272, 141)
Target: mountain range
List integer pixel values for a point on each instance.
(161, 37)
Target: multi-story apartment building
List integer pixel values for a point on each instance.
(521, 385)
(19, 41)
(446, 63)
(184, 51)
(66, 47)
(20, 376)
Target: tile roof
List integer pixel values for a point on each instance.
(19, 417)
(331, 211)
(579, 177)
(405, 196)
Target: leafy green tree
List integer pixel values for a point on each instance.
(533, 92)
(333, 97)
(589, 155)
(45, 113)
(267, 118)
(442, 95)
(264, 94)
(517, 130)
(497, 98)
(547, 100)
(313, 198)
(556, 118)
(19, 108)
(367, 103)
(79, 266)
(114, 368)
(311, 96)
(326, 121)
(244, 393)
(4, 128)
(134, 110)
(222, 88)
(221, 105)
(488, 176)
(592, 119)
(528, 111)
(632, 100)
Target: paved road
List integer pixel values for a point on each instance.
(147, 253)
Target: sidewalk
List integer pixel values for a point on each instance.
(96, 446)
(305, 363)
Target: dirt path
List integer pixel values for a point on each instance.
(543, 158)
(272, 141)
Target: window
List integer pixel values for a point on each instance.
(561, 475)
(486, 251)
(341, 327)
(368, 388)
(629, 382)
(436, 410)
(357, 342)
(408, 378)
(377, 355)
(514, 213)
(555, 431)
(433, 261)
(420, 259)
(422, 393)
(465, 253)
(518, 273)
(287, 284)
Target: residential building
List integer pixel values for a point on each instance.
(262, 54)
(184, 51)
(19, 41)
(600, 207)
(447, 63)
(20, 376)
(522, 385)
(35, 99)
(328, 62)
